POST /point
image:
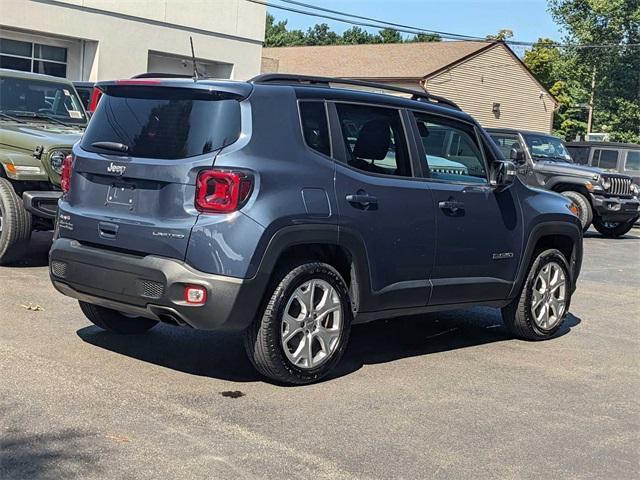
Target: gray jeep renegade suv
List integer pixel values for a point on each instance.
(289, 209)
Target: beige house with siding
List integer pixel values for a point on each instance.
(487, 80)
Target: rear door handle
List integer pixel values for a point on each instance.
(452, 206)
(362, 199)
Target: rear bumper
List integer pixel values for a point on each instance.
(42, 203)
(152, 287)
(615, 209)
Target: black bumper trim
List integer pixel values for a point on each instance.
(113, 280)
(615, 209)
(42, 203)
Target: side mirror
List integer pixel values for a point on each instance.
(503, 174)
(517, 155)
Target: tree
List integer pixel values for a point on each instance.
(426, 37)
(357, 36)
(321, 34)
(389, 35)
(616, 67)
(502, 35)
(277, 35)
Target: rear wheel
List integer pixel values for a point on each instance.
(116, 322)
(541, 308)
(585, 212)
(15, 224)
(613, 229)
(304, 327)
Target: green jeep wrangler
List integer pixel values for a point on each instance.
(41, 117)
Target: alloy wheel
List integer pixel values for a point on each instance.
(549, 296)
(312, 324)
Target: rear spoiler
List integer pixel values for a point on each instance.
(204, 88)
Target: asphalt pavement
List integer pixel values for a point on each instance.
(446, 395)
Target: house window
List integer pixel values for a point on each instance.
(33, 57)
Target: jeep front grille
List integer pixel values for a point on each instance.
(619, 185)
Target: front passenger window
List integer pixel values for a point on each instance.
(451, 151)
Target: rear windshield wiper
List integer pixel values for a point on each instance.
(115, 146)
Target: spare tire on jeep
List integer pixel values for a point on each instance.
(15, 224)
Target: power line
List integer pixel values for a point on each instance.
(358, 23)
(302, 4)
(415, 30)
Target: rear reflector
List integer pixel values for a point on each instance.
(195, 295)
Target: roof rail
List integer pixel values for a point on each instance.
(327, 81)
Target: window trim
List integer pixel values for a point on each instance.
(626, 158)
(330, 133)
(479, 145)
(340, 150)
(32, 59)
(600, 150)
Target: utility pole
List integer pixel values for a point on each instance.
(593, 90)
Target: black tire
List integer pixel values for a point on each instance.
(263, 339)
(613, 230)
(518, 317)
(15, 225)
(115, 322)
(585, 212)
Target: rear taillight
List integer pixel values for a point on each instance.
(67, 168)
(95, 97)
(219, 191)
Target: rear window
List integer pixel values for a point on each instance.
(164, 123)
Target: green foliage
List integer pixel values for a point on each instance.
(502, 35)
(617, 69)
(277, 35)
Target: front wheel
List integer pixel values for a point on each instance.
(585, 212)
(304, 327)
(613, 229)
(115, 322)
(541, 308)
(15, 224)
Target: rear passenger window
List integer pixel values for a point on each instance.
(633, 161)
(314, 126)
(374, 139)
(605, 159)
(451, 151)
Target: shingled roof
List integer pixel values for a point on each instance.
(386, 60)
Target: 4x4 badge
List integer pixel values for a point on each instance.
(116, 169)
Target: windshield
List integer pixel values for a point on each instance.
(545, 147)
(50, 101)
(162, 123)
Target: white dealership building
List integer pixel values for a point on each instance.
(91, 40)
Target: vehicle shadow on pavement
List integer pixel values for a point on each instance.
(389, 340)
(37, 253)
(221, 355)
(634, 234)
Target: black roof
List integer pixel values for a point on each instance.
(603, 144)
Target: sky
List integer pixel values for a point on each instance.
(528, 19)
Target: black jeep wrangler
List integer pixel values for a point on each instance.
(607, 199)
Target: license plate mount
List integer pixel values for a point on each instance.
(121, 196)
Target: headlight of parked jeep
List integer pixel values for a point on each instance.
(606, 183)
(57, 159)
(635, 190)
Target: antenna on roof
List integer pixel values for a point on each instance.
(196, 74)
